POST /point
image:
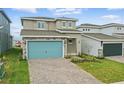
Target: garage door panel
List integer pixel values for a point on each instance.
(112, 49)
(45, 49)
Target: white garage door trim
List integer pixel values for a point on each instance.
(117, 43)
(41, 41)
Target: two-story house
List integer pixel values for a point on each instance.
(5, 37)
(102, 40)
(89, 28)
(109, 29)
(45, 37)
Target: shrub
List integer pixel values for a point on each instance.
(100, 57)
(2, 58)
(89, 58)
(68, 56)
(76, 59)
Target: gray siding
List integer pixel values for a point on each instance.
(5, 38)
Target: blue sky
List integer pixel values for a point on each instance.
(84, 15)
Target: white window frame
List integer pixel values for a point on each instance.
(41, 24)
(63, 25)
(70, 26)
(119, 28)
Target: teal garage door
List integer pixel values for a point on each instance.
(45, 49)
(112, 49)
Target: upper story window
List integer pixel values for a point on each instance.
(40, 25)
(63, 24)
(118, 28)
(70, 24)
(86, 29)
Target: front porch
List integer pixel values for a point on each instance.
(72, 46)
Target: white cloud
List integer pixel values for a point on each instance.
(111, 18)
(29, 10)
(64, 11)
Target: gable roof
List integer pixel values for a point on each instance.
(1, 11)
(102, 37)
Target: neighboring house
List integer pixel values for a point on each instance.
(89, 28)
(109, 29)
(18, 43)
(45, 37)
(99, 44)
(5, 37)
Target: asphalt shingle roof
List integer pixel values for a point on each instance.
(101, 36)
(40, 32)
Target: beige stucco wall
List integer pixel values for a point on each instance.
(31, 24)
(59, 24)
(51, 25)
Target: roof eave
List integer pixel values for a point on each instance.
(105, 40)
(5, 16)
(37, 19)
(44, 36)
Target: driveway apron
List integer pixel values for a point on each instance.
(117, 58)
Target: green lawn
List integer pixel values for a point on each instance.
(105, 70)
(16, 71)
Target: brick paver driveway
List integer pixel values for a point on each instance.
(117, 58)
(58, 71)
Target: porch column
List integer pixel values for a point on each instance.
(65, 47)
(24, 49)
(78, 46)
